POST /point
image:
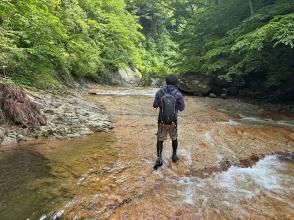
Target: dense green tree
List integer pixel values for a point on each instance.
(251, 41)
(159, 50)
(246, 41)
(50, 40)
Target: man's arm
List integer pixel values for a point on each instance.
(180, 101)
(156, 102)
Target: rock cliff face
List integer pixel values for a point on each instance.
(126, 76)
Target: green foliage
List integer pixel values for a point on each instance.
(280, 30)
(224, 38)
(50, 40)
(159, 50)
(43, 41)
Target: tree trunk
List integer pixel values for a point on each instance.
(251, 7)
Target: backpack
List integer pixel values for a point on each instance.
(168, 112)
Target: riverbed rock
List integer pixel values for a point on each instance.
(49, 111)
(68, 116)
(20, 138)
(224, 96)
(212, 95)
(2, 134)
(196, 84)
(85, 132)
(203, 85)
(9, 140)
(2, 117)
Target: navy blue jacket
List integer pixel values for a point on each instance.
(174, 92)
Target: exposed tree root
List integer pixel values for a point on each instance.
(16, 108)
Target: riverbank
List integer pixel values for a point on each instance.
(68, 115)
(71, 114)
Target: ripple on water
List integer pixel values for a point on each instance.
(269, 121)
(271, 176)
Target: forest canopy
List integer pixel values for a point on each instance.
(49, 40)
(246, 41)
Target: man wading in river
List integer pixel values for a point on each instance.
(169, 100)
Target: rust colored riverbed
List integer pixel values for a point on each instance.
(223, 172)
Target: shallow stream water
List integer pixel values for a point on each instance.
(110, 175)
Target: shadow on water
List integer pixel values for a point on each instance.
(37, 178)
(18, 168)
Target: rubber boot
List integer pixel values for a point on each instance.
(175, 147)
(159, 161)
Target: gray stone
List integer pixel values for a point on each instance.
(86, 132)
(9, 140)
(12, 134)
(73, 102)
(2, 132)
(20, 138)
(212, 95)
(49, 111)
(85, 114)
(194, 84)
(73, 135)
(224, 96)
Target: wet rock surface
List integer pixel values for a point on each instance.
(224, 171)
(213, 138)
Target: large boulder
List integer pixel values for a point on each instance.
(196, 84)
(203, 85)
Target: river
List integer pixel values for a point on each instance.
(236, 162)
